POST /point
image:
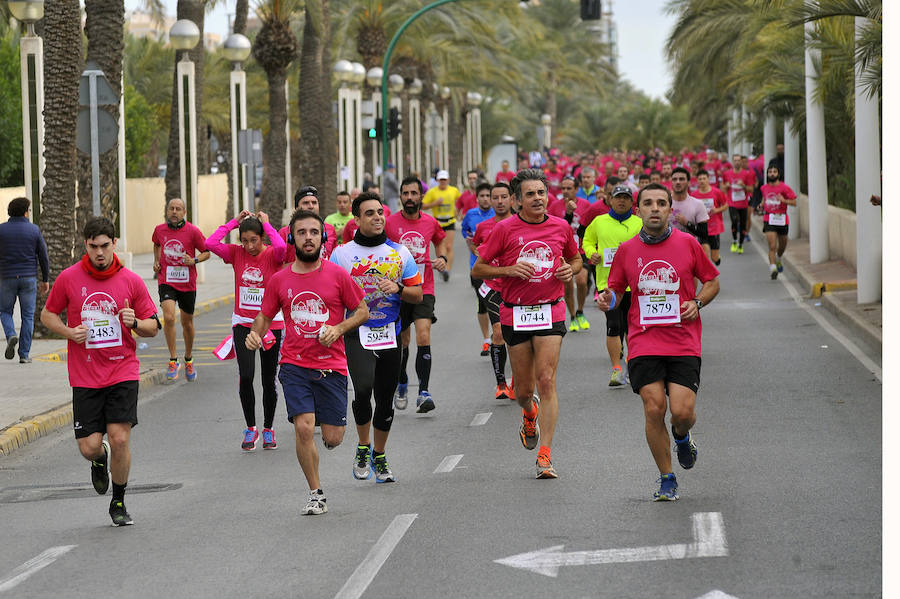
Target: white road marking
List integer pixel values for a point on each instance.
(847, 343)
(709, 541)
(448, 463)
(717, 594)
(480, 419)
(366, 571)
(43, 560)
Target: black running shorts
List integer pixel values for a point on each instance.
(93, 409)
(187, 300)
(513, 337)
(681, 370)
(780, 230)
(412, 312)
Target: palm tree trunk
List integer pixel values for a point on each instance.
(240, 17)
(271, 199)
(318, 150)
(456, 133)
(103, 28)
(62, 69)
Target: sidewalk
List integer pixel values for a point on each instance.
(36, 398)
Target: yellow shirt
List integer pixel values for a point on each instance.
(446, 212)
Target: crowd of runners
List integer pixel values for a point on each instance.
(327, 301)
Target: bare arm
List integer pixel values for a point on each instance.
(483, 270)
(329, 334)
(259, 327)
(53, 322)
(689, 309)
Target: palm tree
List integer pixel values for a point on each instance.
(274, 49)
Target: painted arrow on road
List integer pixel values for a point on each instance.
(709, 541)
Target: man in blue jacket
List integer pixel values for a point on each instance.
(22, 248)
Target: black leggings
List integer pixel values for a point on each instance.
(372, 372)
(738, 217)
(246, 360)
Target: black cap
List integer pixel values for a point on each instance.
(622, 190)
(306, 190)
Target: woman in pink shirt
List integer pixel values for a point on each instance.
(254, 264)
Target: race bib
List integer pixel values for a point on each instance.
(378, 337)
(608, 255)
(778, 220)
(421, 268)
(709, 203)
(251, 298)
(532, 318)
(177, 274)
(737, 193)
(103, 332)
(484, 289)
(660, 309)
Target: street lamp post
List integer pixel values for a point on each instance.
(816, 169)
(32, 54)
(414, 126)
(349, 122)
(184, 35)
(444, 158)
(396, 154)
(472, 154)
(373, 78)
(237, 50)
(356, 139)
(546, 121)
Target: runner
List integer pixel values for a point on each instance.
(536, 254)
(472, 219)
(339, 219)
(602, 239)
(777, 196)
(588, 190)
(504, 175)
(307, 198)
(351, 226)
(737, 185)
(714, 201)
(312, 295)
(416, 231)
(468, 199)
(387, 274)
(441, 200)
(501, 201)
(573, 208)
(254, 264)
(664, 329)
(103, 300)
(688, 214)
(175, 246)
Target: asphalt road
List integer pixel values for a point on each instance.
(785, 500)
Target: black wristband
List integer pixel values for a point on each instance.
(134, 325)
(443, 257)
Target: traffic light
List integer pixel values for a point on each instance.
(394, 123)
(375, 132)
(591, 10)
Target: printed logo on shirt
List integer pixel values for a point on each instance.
(658, 277)
(540, 256)
(308, 312)
(416, 244)
(252, 276)
(174, 251)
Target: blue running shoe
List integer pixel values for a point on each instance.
(779, 266)
(251, 436)
(668, 488)
(383, 473)
(424, 403)
(400, 400)
(686, 450)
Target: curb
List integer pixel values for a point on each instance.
(201, 308)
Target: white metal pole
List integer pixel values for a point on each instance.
(355, 134)
(288, 182)
(476, 150)
(342, 140)
(444, 157)
(737, 144)
(745, 142)
(376, 143)
(122, 244)
(792, 174)
(95, 144)
(769, 141)
(32, 62)
(238, 123)
(815, 157)
(868, 182)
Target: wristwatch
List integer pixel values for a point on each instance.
(399, 287)
(134, 324)
(699, 303)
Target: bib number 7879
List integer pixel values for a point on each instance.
(660, 309)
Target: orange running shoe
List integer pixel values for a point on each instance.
(485, 349)
(544, 467)
(502, 391)
(529, 432)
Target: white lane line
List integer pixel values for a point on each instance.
(847, 343)
(448, 463)
(366, 571)
(480, 419)
(30, 567)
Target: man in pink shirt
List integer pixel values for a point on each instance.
(737, 185)
(104, 302)
(313, 295)
(664, 329)
(572, 209)
(468, 199)
(714, 201)
(688, 214)
(776, 197)
(307, 198)
(504, 174)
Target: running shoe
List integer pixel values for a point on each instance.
(316, 504)
(251, 435)
(573, 327)
(583, 323)
(503, 392)
(485, 349)
(383, 472)
(269, 439)
(424, 403)
(118, 513)
(362, 469)
(400, 400)
(529, 432)
(445, 275)
(617, 377)
(172, 372)
(686, 450)
(100, 471)
(190, 373)
(11, 347)
(24, 360)
(779, 266)
(734, 248)
(740, 249)
(747, 238)
(668, 488)
(773, 271)
(544, 467)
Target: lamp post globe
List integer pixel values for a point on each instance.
(27, 11)
(473, 98)
(546, 119)
(236, 48)
(184, 34)
(445, 93)
(343, 70)
(358, 74)
(373, 77)
(415, 88)
(395, 83)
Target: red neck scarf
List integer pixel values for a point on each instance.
(98, 274)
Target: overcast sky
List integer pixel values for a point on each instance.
(643, 29)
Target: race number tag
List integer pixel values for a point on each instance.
(737, 193)
(660, 309)
(103, 332)
(421, 268)
(177, 274)
(251, 298)
(608, 255)
(378, 337)
(709, 203)
(532, 318)
(778, 220)
(484, 289)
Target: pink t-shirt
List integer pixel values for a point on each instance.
(545, 245)
(174, 244)
(309, 301)
(466, 201)
(598, 208)
(417, 235)
(108, 356)
(714, 198)
(771, 203)
(482, 233)
(665, 268)
(558, 208)
(504, 177)
(554, 178)
(290, 255)
(693, 210)
(736, 195)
